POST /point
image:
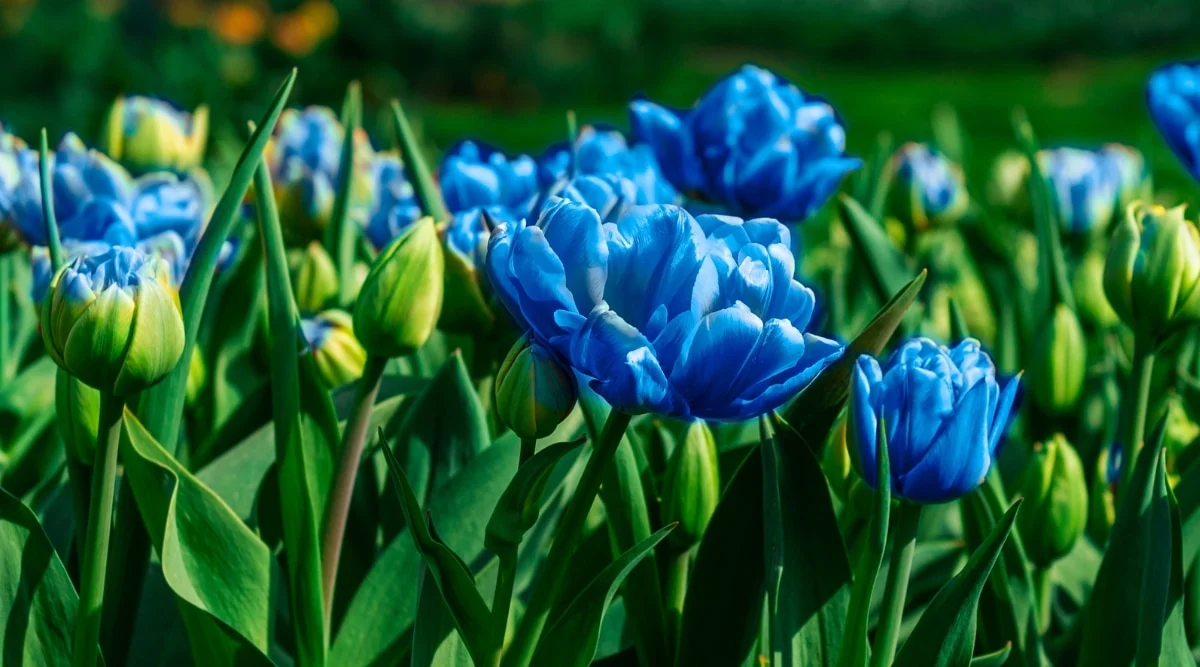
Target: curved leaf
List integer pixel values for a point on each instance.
(521, 503)
(887, 267)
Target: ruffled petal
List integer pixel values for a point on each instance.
(999, 421)
(959, 457)
(620, 364)
(669, 137)
(866, 379)
(576, 236)
(654, 256)
(528, 278)
(712, 359)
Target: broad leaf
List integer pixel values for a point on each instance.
(521, 502)
(435, 641)
(886, 265)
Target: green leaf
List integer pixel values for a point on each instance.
(435, 641)
(874, 180)
(218, 569)
(341, 232)
(723, 607)
(807, 572)
(816, 408)
(993, 659)
(571, 639)
(958, 324)
(47, 189)
(428, 195)
(1107, 636)
(945, 635)
(521, 502)
(856, 645)
(1176, 652)
(37, 599)
(887, 267)
(161, 406)
(1054, 286)
(297, 472)
(462, 506)
(452, 576)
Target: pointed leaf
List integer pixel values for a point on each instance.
(342, 232)
(419, 174)
(1175, 649)
(887, 267)
(521, 502)
(435, 641)
(945, 635)
(993, 659)
(47, 189)
(571, 640)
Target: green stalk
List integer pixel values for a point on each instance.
(8, 365)
(337, 509)
(53, 241)
(340, 235)
(502, 598)
(528, 447)
(1134, 406)
(95, 553)
(677, 574)
(570, 529)
(904, 543)
(1044, 586)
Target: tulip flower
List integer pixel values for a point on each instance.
(604, 152)
(1084, 187)
(753, 143)
(662, 312)
(929, 189)
(339, 356)
(945, 413)
(394, 204)
(1173, 97)
(1131, 172)
(149, 134)
(611, 195)
(534, 393)
(113, 321)
(1153, 269)
(474, 175)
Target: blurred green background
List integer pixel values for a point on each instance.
(507, 71)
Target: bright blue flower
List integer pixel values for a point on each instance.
(394, 203)
(72, 250)
(474, 175)
(1084, 186)
(602, 151)
(662, 312)
(945, 413)
(165, 202)
(1173, 97)
(468, 233)
(929, 187)
(754, 143)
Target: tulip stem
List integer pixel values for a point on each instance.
(1134, 406)
(354, 435)
(678, 569)
(570, 529)
(904, 543)
(99, 528)
(528, 447)
(1044, 585)
(502, 598)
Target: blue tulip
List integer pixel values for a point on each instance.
(1173, 97)
(473, 175)
(945, 413)
(662, 312)
(1084, 186)
(164, 202)
(929, 188)
(754, 143)
(602, 151)
(468, 233)
(394, 203)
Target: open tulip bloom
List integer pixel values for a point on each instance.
(945, 413)
(662, 312)
(1173, 97)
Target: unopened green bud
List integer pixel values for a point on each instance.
(314, 278)
(148, 134)
(692, 486)
(77, 414)
(534, 393)
(1010, 177)
(1153, 269)
(113, 321)
(1055, 511)
(400, 300)
(339, 357)
(1088, 287)
(1059, 364)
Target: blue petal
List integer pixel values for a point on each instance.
(999, 420)
(712, 359)
(867, 378)
(916, 404)
(654, 256)
(576, 236)
(959, 458)
(621, 364)
(667, 135)
(528, 278)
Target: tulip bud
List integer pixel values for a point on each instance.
(929, 189)
(1010, 175)
(1056, 501)
(1059, 363)
(1153, 269)
(339, 356)
(77, 408)
(534, 393)
(692, 486)
(400, 300)
(1088, 287)
(113, 321)
(1102, 507)
(147, 134)
(314, 278)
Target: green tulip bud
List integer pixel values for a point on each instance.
(113, 321)
(1088, 287)
(148, 134)
(534, 393)
(692, 486)
(314, 277)
(1010, 176)
(1153, 269)
(339, 357)
(77, 414)
(400, 300)
(1059, 364)
(1102, 506)
(1055, 511)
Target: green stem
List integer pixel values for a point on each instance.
(570, 528)
(904, 543)
(99, 527)
(502, 599)
(677, 575)
(528, 447)
(8, 355)
(1044, 585)
(337, 509)
(1133, 412)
